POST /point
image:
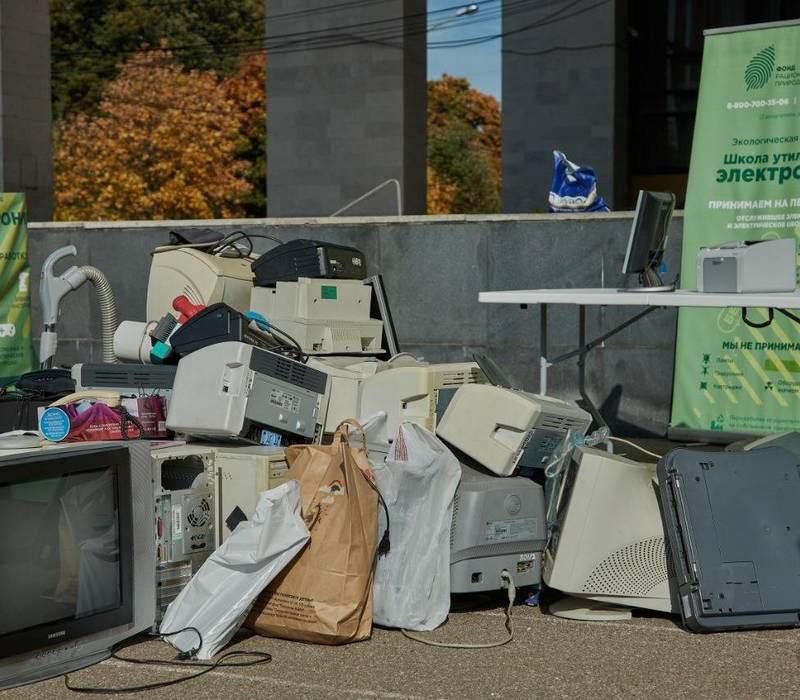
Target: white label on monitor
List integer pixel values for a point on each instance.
(515, 529)
(177, 522)
(285, 400)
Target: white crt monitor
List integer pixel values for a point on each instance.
(503, 429)
(608, 543)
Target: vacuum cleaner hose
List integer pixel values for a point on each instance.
(108, 309)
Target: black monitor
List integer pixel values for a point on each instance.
(648, 239)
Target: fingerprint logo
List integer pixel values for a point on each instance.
(759, 69)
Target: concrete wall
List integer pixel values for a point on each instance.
(434, 268)
(26, 155)
(343, 120)
(563, 76)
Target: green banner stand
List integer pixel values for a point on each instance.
(16, 351)
(744, 184)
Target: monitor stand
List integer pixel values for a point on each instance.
(650, 281)
(573, 608)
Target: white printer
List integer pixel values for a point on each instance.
(322, 315)
(748, 266)
(238, 392)
(503, 429)
(346, 375)
(418, 394)
(201, 277)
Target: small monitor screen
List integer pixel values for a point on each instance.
(649, 231)
(59, 548)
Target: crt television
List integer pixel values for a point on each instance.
(77, 553)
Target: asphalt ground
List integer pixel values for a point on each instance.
(648, 656)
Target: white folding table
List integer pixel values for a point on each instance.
(781, 302)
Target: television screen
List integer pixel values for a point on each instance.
(59, 548)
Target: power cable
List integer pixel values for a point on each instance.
(319, 38)
(335, 41)
(306, 33)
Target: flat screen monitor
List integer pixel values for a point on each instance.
(648, 237)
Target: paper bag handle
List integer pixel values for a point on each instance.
(341, 431)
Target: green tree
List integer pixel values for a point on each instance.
(464, 141)
(90, 38)
(247, 90)
(456, 158)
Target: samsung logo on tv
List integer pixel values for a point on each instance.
(56, 635)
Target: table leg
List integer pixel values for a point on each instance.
(585, 350)
(543, 364)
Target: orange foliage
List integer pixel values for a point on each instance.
(441, 195)
(162, 147)
(453, 103)
(247, 89)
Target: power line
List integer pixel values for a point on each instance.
(332, 39)
(265, 37)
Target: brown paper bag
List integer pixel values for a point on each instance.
(325, 594)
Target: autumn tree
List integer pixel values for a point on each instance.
(162, 146)
(247, 91)
(91, 38)
(464, 148)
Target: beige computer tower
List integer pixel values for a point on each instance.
(183, 503)
(240, 474)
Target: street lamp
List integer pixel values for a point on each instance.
(461, 12)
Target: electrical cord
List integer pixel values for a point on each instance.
(181, 661)
(512, 594)
(634, 445)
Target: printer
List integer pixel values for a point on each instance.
(330, 316)
(418, 394)
(306, 258)
(237, 392)
(504, 429)
(201, 277)
(748, 266)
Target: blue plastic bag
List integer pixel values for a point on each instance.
(574, 187)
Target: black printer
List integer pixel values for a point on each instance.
(307, 258)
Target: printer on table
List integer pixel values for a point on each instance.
(748, 267)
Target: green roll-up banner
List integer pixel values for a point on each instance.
(16, 351)
(744, 184)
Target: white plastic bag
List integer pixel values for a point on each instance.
(377, 437)
(218, 598)
(418, 482)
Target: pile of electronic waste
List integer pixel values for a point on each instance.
(252, 356)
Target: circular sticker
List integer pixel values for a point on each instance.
(54, 424)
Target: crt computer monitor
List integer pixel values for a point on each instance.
(648, 238)
(77, 554)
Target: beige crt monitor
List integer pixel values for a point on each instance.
(503, 429)
(416, 394)
(202, 277)
(608, 542)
